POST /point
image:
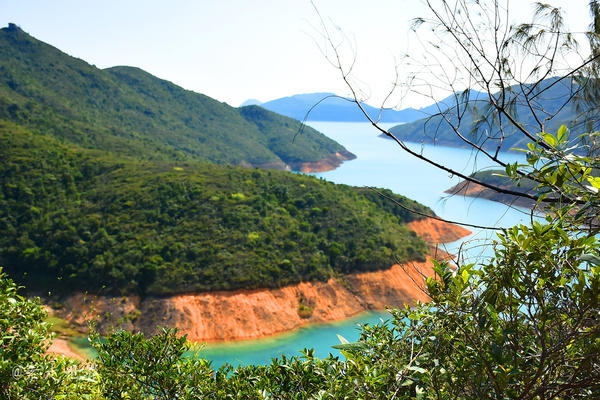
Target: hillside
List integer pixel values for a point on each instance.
(436, 130)
(72, 218)
(131, 113)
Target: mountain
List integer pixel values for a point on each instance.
(129, 112)
(330, 107)
(451, 101)
(480, 127)
(74, 219)
(110, 182)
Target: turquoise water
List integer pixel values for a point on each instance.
(380, 162)
(320, 337)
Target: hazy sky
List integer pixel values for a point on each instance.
(233, 50)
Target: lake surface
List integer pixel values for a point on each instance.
(381, 163)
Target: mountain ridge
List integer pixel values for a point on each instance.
(324, 106)
(130, 112)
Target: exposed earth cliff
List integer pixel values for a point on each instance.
(247, 314)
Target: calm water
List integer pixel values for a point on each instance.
(381, 163)
(320, 337)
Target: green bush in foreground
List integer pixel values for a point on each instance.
(26, 370)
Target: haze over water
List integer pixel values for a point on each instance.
(381, 163)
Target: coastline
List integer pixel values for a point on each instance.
(470, 189)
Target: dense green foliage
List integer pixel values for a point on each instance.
(26, 371)
(96, 222)
(129, 112)
(162, 367)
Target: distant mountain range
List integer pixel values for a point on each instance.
(330, 107)
(129, 112)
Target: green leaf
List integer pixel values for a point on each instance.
(594, 181)
(465, 276)
(355, 346)
(417, 369)
(342, 339)
(591, 259)
(562, 133)
(550, 139)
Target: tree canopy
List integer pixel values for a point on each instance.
(131, 113)
(72, 218)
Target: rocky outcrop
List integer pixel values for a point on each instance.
(434, 231)
(331, 162)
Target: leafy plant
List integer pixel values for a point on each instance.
(26, 370)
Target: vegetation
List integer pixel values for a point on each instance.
(470, 112)
(26, 371)
(74, 218)
(499, 178)
(524, 324)
(128, 112)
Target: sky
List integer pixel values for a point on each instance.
(234, 50)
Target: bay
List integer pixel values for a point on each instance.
(381, 163)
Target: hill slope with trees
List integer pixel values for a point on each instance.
(129, 112)
(76, 218)
(472, 116)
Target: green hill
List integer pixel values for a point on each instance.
(479, 122)
(79, 219)
(129, 112)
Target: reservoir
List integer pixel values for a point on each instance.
(382, 163)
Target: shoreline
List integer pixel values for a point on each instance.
(235, 316)
(251, 314)
(474, 190)
(328, 163)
